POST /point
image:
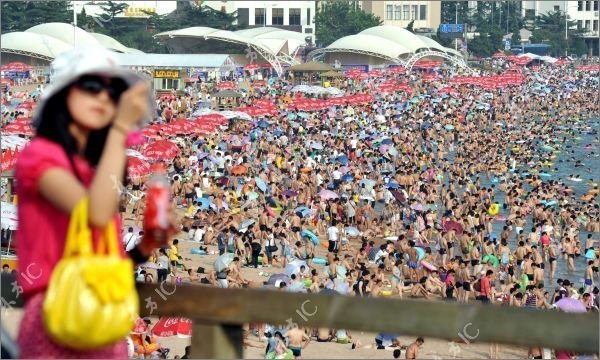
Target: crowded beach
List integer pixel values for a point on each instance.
(430, 184)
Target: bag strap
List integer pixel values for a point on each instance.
(108, 240)
(79, 235)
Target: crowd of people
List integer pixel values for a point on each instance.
(423, 194)
(439, 191)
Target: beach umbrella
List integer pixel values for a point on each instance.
(162, 149)
(348, 178)
(342, 159)
(344, 169)
(449, 127)
(294, 267)
(368, 183)
(137, 167)
(289, 193)
(277, 279)
(571, 305)
(13, 142)
(453, 225)
(223, 262)
(239, 170)
(352, 231)
(204, 203)
(252, 195)
(261, 184)
(302, 211)
(173, 326)
(9, 216)
(263, 124)
(417, 207)
(317, 146)
(426, 125)
(398, 196)
(328, 194)
(246, 223)
(392, 185)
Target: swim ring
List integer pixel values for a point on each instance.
(494, 209)
(490, 257)
(309, 234)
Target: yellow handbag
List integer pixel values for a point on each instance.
(91, 300)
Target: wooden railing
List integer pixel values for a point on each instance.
(218, 315)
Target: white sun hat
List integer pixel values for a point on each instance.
(71, 65)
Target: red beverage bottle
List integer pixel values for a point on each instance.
(158, 204)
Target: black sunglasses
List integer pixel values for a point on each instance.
(93, 84)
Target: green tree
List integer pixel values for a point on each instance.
(550, 29)
(341, 18)
(21, 15)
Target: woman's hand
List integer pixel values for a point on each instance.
(133, 106)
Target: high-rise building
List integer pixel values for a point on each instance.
(296, 16)
(425, 14)
(585, 14)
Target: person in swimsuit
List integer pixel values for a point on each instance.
(297, 340)
(396, 280)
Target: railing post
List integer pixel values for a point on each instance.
(217, 341)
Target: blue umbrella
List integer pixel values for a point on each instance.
(343, 159)
(426, 125)
(204, 203)
(386, 141)
(277, 132)
(302, 211)
(392, 185)
(263, 124)
(414, 100)
(260, 183)
(348, 178)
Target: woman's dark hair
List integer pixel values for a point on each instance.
(54, 126)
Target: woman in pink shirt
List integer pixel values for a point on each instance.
(82, 123)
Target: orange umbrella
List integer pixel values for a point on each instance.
(239, 170)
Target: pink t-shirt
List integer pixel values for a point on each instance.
(42, 227)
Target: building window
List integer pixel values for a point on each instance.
(259, 16)
(423, 13)
(587, 6)
(295, 17)
(579, 24)
(397, 12)
(556, 8)
(405, 12)
(389, 12)
(588, 25)
(168, 84)
(530, 14)
(580, 5)
(596, 5)
(277, 16)
(243, 16)
(413, 15)
(595, 25)
(308, 17)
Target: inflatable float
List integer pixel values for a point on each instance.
(494, 209)
(309, 234)
(319, 261)
(428, 266)
(492, 258)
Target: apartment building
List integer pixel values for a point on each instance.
(296, 16)
(584, 13)
(425, 14)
